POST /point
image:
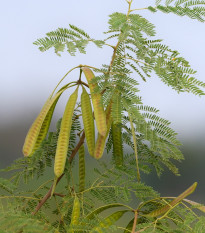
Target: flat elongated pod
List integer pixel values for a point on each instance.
(116, 108)
(76, 212)
(99, 112)
(64, 135)
(164, 209)
(45, 127)
(88, 121)
(99, 210)
(39, 128)
(81, 168)
(100, 143)
(117, 144)
(109, 221)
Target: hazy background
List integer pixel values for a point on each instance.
(28, 76)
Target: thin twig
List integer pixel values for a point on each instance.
(113, 56)
(145, 8)
(135, 147)
(59, 194)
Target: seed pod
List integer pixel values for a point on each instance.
(116, 108)
(99, 112)
(76, 212)
(39, 128)
(117, 144)
(88, 121)
(45, 126)
(166, 208)
(109, 221)
(100, 143)
(81, 168)
(64, 135)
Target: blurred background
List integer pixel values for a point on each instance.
(28, 76)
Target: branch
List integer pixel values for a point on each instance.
(113, 56)
(135, 223)
(59, 194)
(118, 43)
(47, 196)
(75, 150)
(145, 8)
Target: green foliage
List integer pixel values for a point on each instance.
(74, 39)
(102, 194)
(7, 185)
(16, 221)
(104, 201)
(190, 8)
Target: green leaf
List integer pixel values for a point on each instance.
(7, 185)
(117, 21)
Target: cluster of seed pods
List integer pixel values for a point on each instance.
(103, 119)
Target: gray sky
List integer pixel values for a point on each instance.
(28, 76)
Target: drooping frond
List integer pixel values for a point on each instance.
(173, 70)
(74, 39)
(157, 142)
(193, 9)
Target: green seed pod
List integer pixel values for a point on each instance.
(109, 221)
(116, 108)
(64, 135)
(76, 212)
(81, 168)
(117, 144)
(99, 112)
(45, 126)
(100, 144)
(88, 121)
(166, 208)
(39, 128)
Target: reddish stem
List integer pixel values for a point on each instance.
(135, 222)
